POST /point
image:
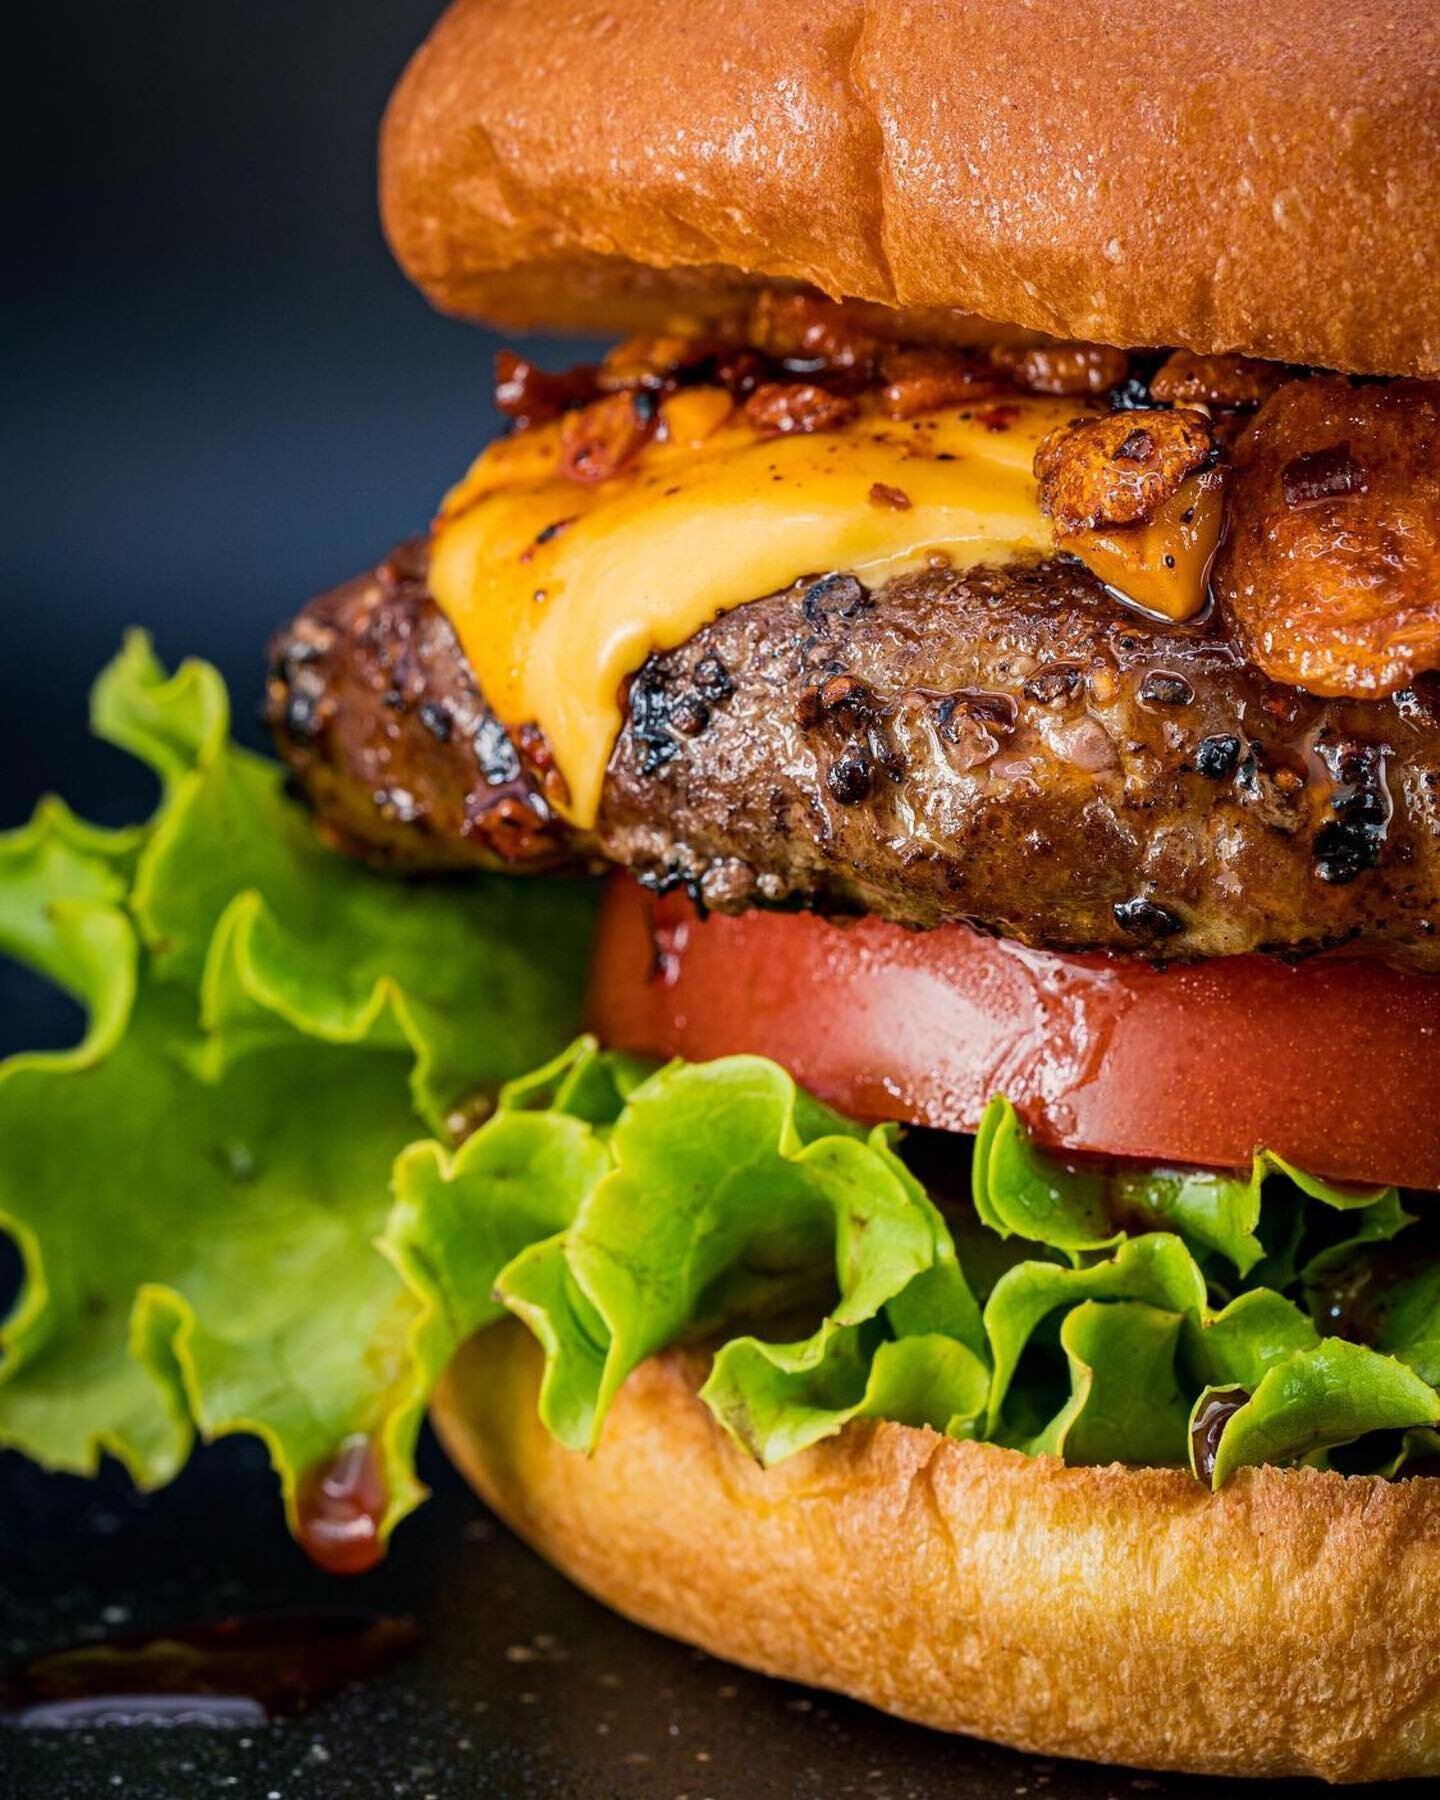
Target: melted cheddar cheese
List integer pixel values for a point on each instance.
(559, 590)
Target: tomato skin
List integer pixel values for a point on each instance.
(1333, 1062)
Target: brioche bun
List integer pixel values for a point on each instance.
(1249, 175)
(1285, 1626)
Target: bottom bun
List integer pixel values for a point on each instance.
(1289, 1625)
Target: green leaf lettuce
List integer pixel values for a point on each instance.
(198, 1189)
(240, 1206)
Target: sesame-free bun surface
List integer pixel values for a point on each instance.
(1251, 175)
(1284, 1626)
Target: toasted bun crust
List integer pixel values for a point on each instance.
(1252, 175)
(1285, 1626)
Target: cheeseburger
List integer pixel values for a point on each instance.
(840, 971)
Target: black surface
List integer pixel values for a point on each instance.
(521, 1686)
(219, 397)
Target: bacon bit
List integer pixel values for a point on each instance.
(1062, 368)
(779, 409)
(653, 362)
(740, 372)
(882, 494)
(1185, 379)
(1113, 471)
(598, 441)
(1330, 572)
(920, 381)
(804, 328)
(1322, 475)
(531, 395)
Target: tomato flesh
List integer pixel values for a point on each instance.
(1333, 1062)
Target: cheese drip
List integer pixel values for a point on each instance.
(559, 590)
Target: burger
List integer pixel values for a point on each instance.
(980, 616)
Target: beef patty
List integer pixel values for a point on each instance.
(1008, 747)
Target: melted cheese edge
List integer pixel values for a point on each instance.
(559, 591)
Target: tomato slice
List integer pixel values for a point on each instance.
(1333, 1062)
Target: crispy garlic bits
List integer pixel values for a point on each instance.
(1307, 506)
(1137, 497)
(1330, 573)
(1119, 469)
(1185, 379)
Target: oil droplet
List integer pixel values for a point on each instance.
(339, 1507)
(231, 1673)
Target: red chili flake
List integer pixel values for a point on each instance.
(780, 409)
(882, 494)
(1322, 475)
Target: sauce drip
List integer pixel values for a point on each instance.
(339, 1508)
(1209, 1427)
(233, 1672)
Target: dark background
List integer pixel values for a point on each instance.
(218, 396)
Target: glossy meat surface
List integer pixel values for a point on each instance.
(1010, 747)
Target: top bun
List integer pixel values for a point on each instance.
(1250, 175)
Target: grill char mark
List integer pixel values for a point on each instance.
(1028, 766)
